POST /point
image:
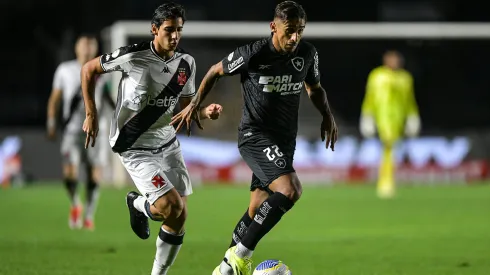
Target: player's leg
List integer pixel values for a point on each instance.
(91, 195)
(389, 133)
(95, 159)
(171, 234)
(273, 167)
(257, 197)
(70, 152)
(286, 191)
(163, 180)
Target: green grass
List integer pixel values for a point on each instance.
(332, 230)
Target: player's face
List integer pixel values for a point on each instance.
(288, 33)
(393, 61)
(169, 33)
(86, 49)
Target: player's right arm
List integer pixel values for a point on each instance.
(54, 102)
(119, 60)
(91, 124)
(235, 63)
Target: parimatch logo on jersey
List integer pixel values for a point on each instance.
(280, 83)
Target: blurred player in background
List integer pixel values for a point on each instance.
(274, 72)
(67, 89)
(156, 76)
(389, 107)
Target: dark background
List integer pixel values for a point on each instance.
(452, 87)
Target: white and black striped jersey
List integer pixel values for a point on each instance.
(149, 89)
(67, 79)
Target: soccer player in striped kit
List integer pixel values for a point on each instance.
(67, 89)
(156, 76)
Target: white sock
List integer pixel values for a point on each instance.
(139, 204)
(166, 251)
(224, 267)
(242, 251)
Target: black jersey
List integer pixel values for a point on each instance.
(271, 85)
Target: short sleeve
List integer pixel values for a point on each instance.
(58, 78)
(189, 89)
(119, 60)
(237, 61)
(313, 73)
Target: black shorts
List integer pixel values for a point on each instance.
(267, 159)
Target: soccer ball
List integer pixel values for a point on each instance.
(272, 267)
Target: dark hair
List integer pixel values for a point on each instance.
(288, 10)
(168, 10)
(89, 36)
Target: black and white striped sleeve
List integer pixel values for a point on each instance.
(119, 60)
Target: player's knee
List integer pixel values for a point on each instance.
(291, 192)
(95, 174)
(176, 209)
(170, 206)
(69, 172)
(289, 186)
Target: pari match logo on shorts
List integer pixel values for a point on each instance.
(158, 181)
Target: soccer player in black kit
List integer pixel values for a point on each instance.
(274, 71)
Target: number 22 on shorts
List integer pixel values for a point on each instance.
(273, 152)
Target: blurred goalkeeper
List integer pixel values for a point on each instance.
(389, 107)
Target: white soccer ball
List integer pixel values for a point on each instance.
(272, 267)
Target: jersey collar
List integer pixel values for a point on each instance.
(154, 51)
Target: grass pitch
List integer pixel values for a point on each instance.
(342, 230)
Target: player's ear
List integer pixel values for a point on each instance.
(273, 26)
(154, 29)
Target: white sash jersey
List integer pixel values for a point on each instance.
(67, 79)
(148, 92)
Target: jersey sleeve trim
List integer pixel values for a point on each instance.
(189, 95)
(102, 64)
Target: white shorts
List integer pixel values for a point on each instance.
(154, 174)
(73, 150)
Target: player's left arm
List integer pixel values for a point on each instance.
(413, 124)
(316, 92)
(318, 97)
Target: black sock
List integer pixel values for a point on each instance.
(171, 238)
(71, 187)
(241, 229)
(266, 217)
(92, 188)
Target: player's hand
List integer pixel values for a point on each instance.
(187, 115)
(51, 128)
(91, 127)
(213, 111)
(330, 130)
